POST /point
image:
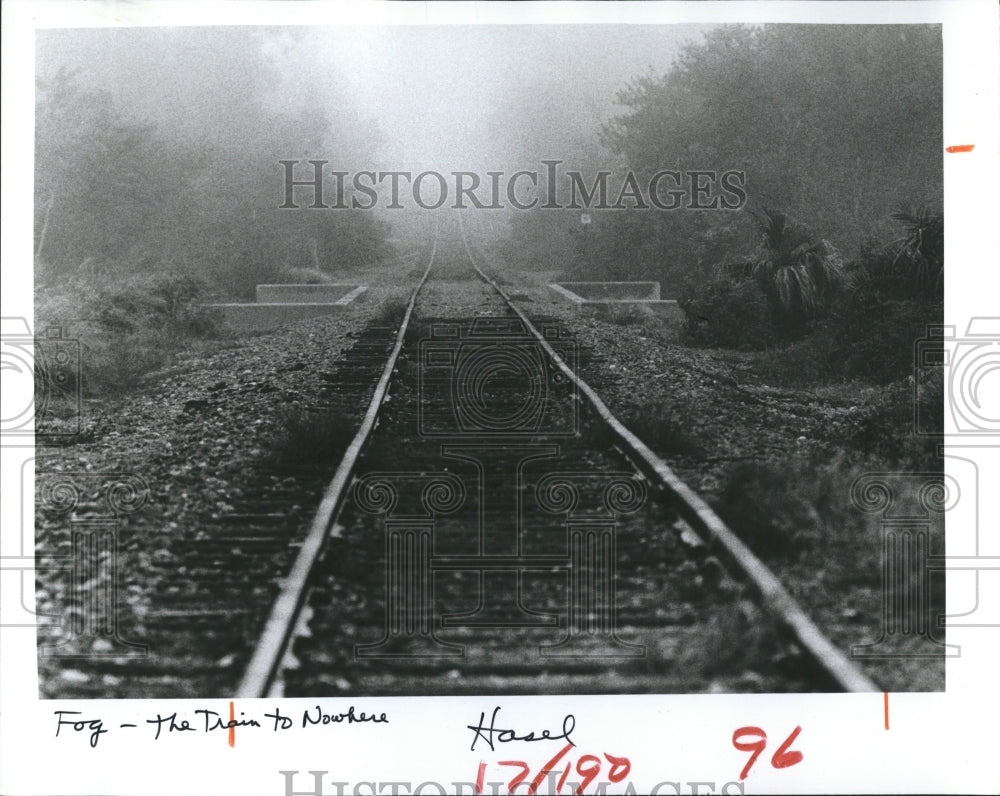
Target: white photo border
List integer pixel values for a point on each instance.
(938, 742)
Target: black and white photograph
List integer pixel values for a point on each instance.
(460, 356)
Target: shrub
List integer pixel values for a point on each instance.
(811, 360)
(765, 506)
(117, 364)
(739, 640)
(909, 267)
(799, 276)
(875, 336)
(728, 313)
(167, 302)
(308, 437)
(884, 426)
(391, 313)
(663, 428)
(127, 326)
(794, 507)
(929, 397)
(895, 291)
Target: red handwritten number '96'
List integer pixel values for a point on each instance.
(783, 758)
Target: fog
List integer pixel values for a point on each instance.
(203, 117)
(410, 98)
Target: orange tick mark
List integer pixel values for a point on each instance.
(885, 707)
(960, 148)
(232, 724)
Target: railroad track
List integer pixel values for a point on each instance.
(200, 582)
(492, 528)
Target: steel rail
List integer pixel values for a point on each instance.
(710, 527)
(264, 665)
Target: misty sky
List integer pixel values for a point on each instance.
(442, 97)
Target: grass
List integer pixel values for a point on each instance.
(825, 544)
(127, 325)
(391, 313)
(784, 508)
(662, 428)
(311, 437)
(623, 314)
(801, 509)
(736, 641)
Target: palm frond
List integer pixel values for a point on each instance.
(798, 273)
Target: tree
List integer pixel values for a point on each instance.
(832, 123)
(98, 183)
(200, 190)
(798, 275)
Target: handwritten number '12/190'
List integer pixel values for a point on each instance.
(783, 758)
(588, 766)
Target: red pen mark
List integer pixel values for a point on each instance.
(587, 766)
(885, 707)
(756, 747)
(548, 767)
(960, 148)
(519, 778)
(620, 766)
(562, 779)
(786, 757)
(232, 724)
(783, 758)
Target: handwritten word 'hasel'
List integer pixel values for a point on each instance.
(491, 733)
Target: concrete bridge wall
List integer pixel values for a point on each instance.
(280, 304)
(302, 294)
(597, 296)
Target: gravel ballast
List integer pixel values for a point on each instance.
(200, 434)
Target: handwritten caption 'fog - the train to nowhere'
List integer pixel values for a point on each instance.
(203, 721)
